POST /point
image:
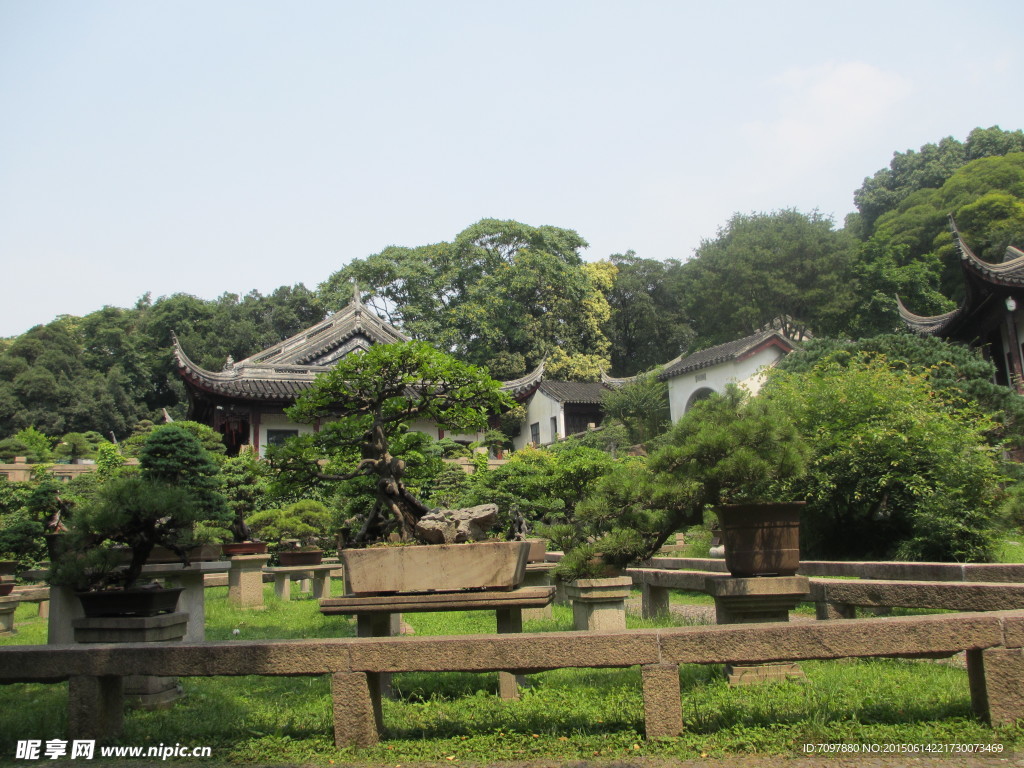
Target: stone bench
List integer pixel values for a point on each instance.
(994, 643)
(283, 575)
(375, 614)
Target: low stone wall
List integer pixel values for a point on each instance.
(994, 643)
(890, 570)
(837, 598)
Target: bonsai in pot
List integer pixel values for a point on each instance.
(726, 450)
(299, 528)
(744, 457)
(158, 506)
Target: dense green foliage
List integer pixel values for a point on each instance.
(728, 448)
(899, 470)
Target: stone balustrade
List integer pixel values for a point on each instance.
(994, 643)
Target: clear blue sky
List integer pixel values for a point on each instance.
(215, 146)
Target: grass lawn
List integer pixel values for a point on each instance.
(563, 715)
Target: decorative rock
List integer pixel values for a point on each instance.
(452, 526)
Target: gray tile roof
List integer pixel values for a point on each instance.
(723, 353)
(573, 391)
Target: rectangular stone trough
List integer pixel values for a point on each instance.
(435, 567)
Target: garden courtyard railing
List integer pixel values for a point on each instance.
(994, 643)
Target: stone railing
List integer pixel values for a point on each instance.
(838, 598)
(884, 570)
(994, 643)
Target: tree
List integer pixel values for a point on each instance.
(502, 295)
(641, 405)
(927, 168)
(374, 396)
(761, 268)
(959, 373)
(647, 325)
(986, 199)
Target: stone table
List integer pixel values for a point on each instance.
(753, 601)
(65, 606)
(321, 576)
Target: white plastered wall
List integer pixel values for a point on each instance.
(279, 421)
(748, 373)
(540, 409)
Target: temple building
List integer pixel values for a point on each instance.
(988, 315)
(245, 401)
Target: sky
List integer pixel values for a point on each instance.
(222, 146)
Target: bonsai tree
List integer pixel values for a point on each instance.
(368, 400)
(175, 489)
(304, 522)
(245, 483)
(728, 448)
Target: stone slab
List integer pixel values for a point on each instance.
(765, 586)
(437, 567)
(757, 643)
(524, 597)
(599, 590)
(955, 596)
(523, 653)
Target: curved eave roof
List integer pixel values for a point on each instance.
(525, 386)
(327, 340)
(931, 326)
(614, 383)
(982, 279)
(270, 383)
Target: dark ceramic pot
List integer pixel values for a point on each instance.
(299, 557)
(137, 601)
(761, 539)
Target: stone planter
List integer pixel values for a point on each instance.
(761, 539)
(289, 558)
(244, 548)
(435, 567)
(538, 550)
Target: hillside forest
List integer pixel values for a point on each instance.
(505, 295)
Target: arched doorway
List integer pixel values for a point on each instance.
(701, 394)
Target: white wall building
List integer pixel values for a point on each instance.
(742, 362)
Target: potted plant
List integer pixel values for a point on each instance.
(727, 450)
(460, 556)
(299, 530)
(744, 457)
(244, 481)
(158, 506)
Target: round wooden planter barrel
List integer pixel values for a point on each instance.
(761, 539)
